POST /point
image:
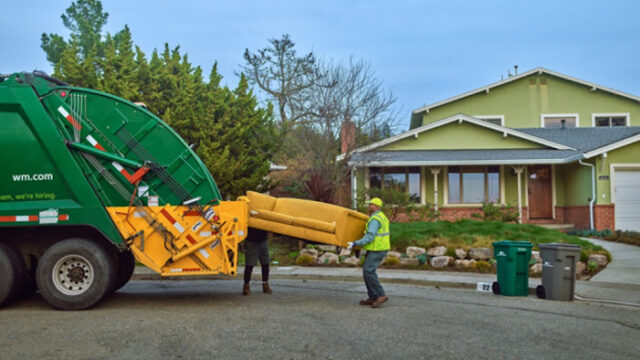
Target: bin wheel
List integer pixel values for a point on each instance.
(495, 287)
(75, 274)
(540, 292)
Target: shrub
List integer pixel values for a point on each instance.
(491, 212)
(391, 260)
(292, 255)
(592, 266)
(483, 267)
(304, 260)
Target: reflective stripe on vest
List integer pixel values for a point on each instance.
(382, 240)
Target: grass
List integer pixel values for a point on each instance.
(470, 233)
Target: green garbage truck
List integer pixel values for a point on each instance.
(90, 182)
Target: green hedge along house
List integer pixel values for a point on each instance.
(560, 149)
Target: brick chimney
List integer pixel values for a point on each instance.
(347, 135)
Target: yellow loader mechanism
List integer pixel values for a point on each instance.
(176, 240)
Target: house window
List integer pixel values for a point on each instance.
(474, 184)
(555, 121)
(494, 119)
(397, 178)
(603, 120)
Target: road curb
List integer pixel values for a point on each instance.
(345, 278)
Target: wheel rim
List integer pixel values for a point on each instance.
(73, 275)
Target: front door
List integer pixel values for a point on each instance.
(540, 204)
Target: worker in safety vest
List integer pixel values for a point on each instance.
(377, 244)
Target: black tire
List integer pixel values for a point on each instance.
(540, 292)
(75, 274)
(13, 273)
(126, 265)
(495, 287)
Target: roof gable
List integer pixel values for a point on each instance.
(538, 70)
(461, 135)
(504, 131)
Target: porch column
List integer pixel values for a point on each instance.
(435, 171)
(354, 183)
(519, 170)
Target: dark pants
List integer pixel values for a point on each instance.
(254, 251)
(371, 263)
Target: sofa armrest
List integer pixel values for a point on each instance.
(358, 215)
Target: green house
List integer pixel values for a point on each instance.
(560, 149)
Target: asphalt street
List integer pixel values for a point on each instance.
(205, 319)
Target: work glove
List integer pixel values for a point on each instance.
(350, 245)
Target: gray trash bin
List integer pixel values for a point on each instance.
(558, 271)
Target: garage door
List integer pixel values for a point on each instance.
(627, 188)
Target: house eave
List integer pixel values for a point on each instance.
(467, 162)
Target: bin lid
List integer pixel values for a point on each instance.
(560, 246)
(512, 243)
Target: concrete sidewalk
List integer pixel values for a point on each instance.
(618, 283)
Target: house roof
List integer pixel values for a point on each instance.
(539, 70)
(585, 139)
(572, 144)
(505, 131)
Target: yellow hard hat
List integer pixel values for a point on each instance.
(375, 201)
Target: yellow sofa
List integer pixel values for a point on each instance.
(305, 219)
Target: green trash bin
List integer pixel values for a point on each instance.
(512, 258)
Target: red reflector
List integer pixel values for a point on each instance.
(216, 218)
(63, 93)
(230, 233)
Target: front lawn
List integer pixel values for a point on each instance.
(470, 233)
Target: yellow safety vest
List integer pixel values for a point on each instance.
(382, 240)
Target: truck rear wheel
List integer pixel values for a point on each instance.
(13, 273)
(75, 274)
(126, 265)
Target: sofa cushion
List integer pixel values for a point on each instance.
(260, 201)
(315, 224)
(272, 216)
(309, 209)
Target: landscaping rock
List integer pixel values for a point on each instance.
(328, 258)
(463, 263)
(394, 254)
(535, 255)
(414, 251)
(437, 251)
(345, 252)
(409, 261)
(480, 253)
(330, 248)
(311, 252)
(461, 253)
(580, 267)
(536, 268)
(353, 261)
(601, 260)
(440, 261)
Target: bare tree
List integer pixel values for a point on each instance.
(347, 109)
(284, 76)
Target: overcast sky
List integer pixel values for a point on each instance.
(425, 51)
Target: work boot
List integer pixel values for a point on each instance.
(379, 301)
(367, 302)
(246, 289)
(265, 288)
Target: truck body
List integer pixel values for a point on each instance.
(88, 181)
